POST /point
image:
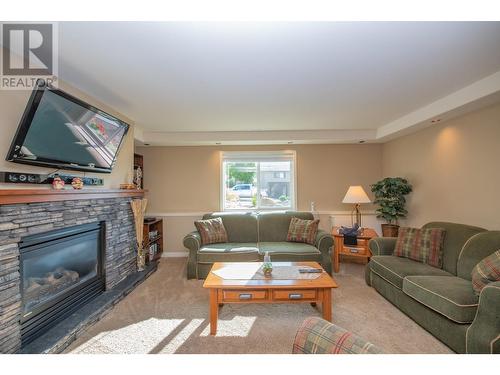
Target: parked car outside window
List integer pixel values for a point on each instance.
(244, 190)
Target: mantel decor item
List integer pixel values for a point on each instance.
(356, 195)
(129, 182)
(58, 183)
(127, 186)
(77, 183)
(390, 196)
(138, 177)
(138, 209)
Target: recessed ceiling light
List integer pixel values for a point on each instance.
(435, 120)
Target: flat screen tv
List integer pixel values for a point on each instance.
(61, 131)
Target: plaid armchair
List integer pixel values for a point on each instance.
(317, 336)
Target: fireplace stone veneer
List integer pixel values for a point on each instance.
(20, 220)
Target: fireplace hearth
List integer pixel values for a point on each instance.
(61, 270)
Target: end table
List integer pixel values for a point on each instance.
(361, 250)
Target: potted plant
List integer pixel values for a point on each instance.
(390, 196)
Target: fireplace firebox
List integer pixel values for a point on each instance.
(61, 270)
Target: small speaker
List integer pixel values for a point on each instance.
(22, 178)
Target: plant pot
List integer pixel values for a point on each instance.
(390, 230)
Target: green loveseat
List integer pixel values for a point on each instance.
(250, 235)
(442, 300)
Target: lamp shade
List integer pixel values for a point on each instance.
(356, 194)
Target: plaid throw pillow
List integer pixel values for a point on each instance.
(211, 231)
(302, 230)
(422, 245)
(486, 271)
(317, 336)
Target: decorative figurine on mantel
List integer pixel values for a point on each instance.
(77, 183)
(138, 177)
(57, 183)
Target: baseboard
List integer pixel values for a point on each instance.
(175, 254)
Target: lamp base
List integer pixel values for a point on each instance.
(356, 213)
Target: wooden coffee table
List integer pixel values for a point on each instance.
(247, 290)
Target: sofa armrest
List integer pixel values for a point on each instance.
(318, 336)
(192, 242)
(382, 245)
(324, 242)
(483, 336)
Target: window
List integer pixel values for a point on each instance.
(258, 180)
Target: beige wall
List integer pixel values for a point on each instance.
(184, 179)
(184, 182)
(12, 105)
(454, 168)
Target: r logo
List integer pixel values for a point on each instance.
(28, 49)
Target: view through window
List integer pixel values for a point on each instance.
(259, 180)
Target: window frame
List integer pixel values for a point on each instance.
(247, 156)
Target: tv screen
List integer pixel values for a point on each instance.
(62, 131)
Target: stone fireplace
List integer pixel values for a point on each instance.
(58, 253)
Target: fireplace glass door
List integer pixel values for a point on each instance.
(55, 268)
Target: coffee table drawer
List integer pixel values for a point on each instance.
(243, 295)
(292, 295)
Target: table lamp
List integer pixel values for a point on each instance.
(356, 195)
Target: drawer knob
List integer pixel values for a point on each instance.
(246, 296)
(295, 296)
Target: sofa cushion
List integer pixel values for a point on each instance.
(475, 250)
(229, 252)
(450, 296)
(395, 269)
(211, 230)
(454, 240)
(273, 226)
(291, 251)
(486, 271)
(302, 230)
(423, 245)
(239, 227)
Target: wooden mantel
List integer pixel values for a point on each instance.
(13, 196)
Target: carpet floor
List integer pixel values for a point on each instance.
(169, 314)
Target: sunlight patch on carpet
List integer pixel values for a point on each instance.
(182, 336)
(137, 338)
(239, 326)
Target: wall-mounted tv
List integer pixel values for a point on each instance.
(61, 131)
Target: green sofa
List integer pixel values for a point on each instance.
(250, 235)
(442, 300)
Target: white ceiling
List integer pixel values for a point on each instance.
(346, 81)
